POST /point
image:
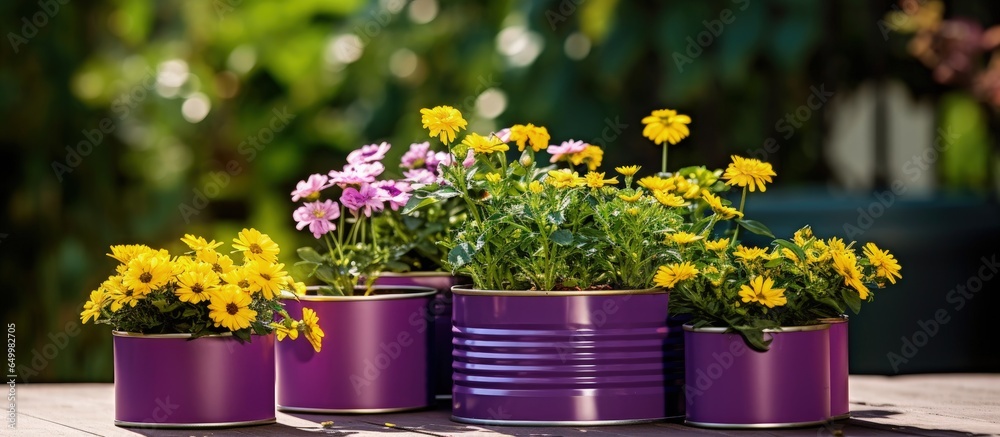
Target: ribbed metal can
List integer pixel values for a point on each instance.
(174, 381)
(730, 385)
(374, 357)
(564, 358)
(840, 403)
(438, 312)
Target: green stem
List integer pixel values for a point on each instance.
(664, 167)
(743, 201)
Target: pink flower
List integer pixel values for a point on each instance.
(470, 159)
(416, 156)
(366, 198)
(420, 176)
(309, 187)
(318, 216)
(503, 135)
(434, 160)
(369, 153)
(396, 193)
(357, 174)
(566, 148)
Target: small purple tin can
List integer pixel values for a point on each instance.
(173, 381)
(840, 403)
(374, 357)
(730, 385)
(564, 357)
(439, 311)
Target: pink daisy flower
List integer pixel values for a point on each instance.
(369, 153)
(313, 185)
(318, 216)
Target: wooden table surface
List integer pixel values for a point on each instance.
(919, 405)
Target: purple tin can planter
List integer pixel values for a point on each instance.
(439, 311)
(840, 403)
(730, 385)
(172, 381)
(564, 358)
(374, 357)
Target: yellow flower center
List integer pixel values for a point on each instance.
(232, 309)
(319, 213)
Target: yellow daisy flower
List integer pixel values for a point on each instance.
(119, 294)
(666, 125)
(484, 145)
(229, 307)
(92, 308)
(656, 183)
(536, 187)
(750, 253)
(748, 172)
(221, 264)
(591, 155)
(311, 329)
(631, 198)
(493, 177)
(667, 199)
(802, 236)
(885, 264)
(266, 278)
(723, 211)
(198, 244)
(565, 179)
(683, 237)
(291, 331)
(127, 252)
(538, 136)
(628, 171)
(147, 272)
(760, 290)
(239, 277)
(846, 264)
(256, 246)
(443, 122)
(197, 284)
(596, 180)
(669, 275)
(720, 244)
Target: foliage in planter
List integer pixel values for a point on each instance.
(545, 228)
(202, 292)
(363, 231)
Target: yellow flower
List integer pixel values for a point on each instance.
(565, 179)
(656, 183)
(93, 307)
(628, 171)
(147, 272)
(256, 246)
(666, 125)
(723, 211)
(787, 253)
(480, 144)
(197, 284)
(667, 199)
(238, 276)
(282, 331)
(127, 252)
(818, 252)
(296, 287)
(748, 172)
(836, 245)
(846, 264)
(596, 180)
(230, 308)
(199, 244)
(221, 264)
(493, 177)
(720, 244)
(632, 211)
(685, 188)
(683, 237)
(669, 275)
(750, 253)
(760, 290)
(266, 278)
(885, 264)
(802, 236)
(591, 155)
(536, 187)
(631, 198)
(443, 122)
(538, 136)
(119, 294)
(311, 329)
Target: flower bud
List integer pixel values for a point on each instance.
(527, 158)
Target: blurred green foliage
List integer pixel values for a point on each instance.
(351, 73)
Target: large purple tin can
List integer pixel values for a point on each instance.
(840, 403)
(439, 312)
(374, 357)
(172, 381)
(564, 358)
(730, 385)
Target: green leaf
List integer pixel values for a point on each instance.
(851, 298)
(309, 255)
(460, 255)
(416, 203)
(556, 217)
(799, 253)
(562, 237)
(325, 273)
(755, 227)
